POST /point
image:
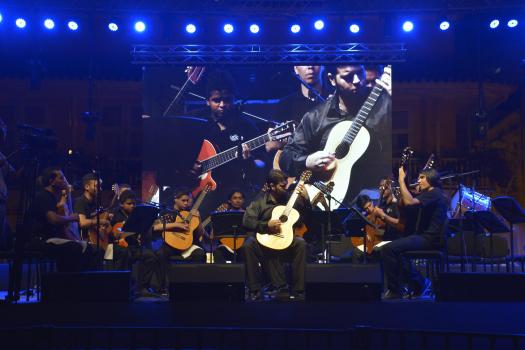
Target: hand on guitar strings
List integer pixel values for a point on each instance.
(274, 227)
(319, 160)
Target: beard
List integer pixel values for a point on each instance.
(354, 100)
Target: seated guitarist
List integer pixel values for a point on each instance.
(257, 219)
(182, 202)
(305, 151)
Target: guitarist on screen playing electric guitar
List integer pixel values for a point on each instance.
(336, 134)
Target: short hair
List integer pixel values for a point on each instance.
(121, 186)
(220, 80)
(179, 192)
(276, 176)
(89, 177)
(432, 176)
(234, 192)
(127, 195)
(332, 68)
(362, 200)
(48, 175)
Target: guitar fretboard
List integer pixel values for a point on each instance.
(363, 113)
(231, 153)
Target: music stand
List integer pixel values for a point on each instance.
(141, 219)
(489, 222)
(512, 211)
(228, 224)
(330, 221)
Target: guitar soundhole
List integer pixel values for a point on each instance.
(342, 150)
(283, 218)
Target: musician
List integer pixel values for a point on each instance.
(182, 202)
(224, 253)
(114, 206)
(388, 210)
(257, 219)
(426, 221)
(129, 250)
(86, 205)
(47, 226)
(309, 140)
(372, 73)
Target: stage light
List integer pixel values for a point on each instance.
(140, 26)
(49, 23)
(512, 23)
(113, 27)
(20, 23)
(319, 24)
(1, 18)
(254, 28)
(190, 28)
(444, 25)
(228, 28)
(72, 25)
(494, 24)
(295, 28)
(408, 26)
(354, 28)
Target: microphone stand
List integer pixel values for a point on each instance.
(253, 116)
(309, 87)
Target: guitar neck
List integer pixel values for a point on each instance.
(231, 153)
(292, 200)
(197, 204)
(363, 114)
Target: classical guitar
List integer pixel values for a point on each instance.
(348, 141)
(405, 157)
(183, 240)
(209, 159)
(288, 216)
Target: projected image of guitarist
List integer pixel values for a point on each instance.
(347, 138)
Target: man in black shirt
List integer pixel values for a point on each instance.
(86, 205)
(257, 219)
(305, 151)
(47, 226)
(428, 220)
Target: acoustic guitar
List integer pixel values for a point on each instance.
(183, 240)
(288, 216)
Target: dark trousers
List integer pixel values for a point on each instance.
(222, 254)
(165, 252)
(271, 266)
(149, 272)
(398, 272)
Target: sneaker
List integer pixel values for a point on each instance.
(426, 291)
(390, 295)
(254, 297)
(297, 296)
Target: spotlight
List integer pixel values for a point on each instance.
(190, 28)
(319, 24)
(408, 26)
(228, 28)
(354, 28)
(1, 18)
(494, 24)
(113, 27)
(444, 25)
(254, 28)
(20, 23)
(295, 28)
(512, 23)
(140, 26)
(72, 25)
(49, 23)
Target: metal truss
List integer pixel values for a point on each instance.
(265, 54)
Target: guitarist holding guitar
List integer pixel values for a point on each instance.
(275, 240)
(336, 134)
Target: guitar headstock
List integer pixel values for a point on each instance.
(282, 131)
(430, 162)
(408, 152)
(195, 73)
(116, 189)
(305, 176)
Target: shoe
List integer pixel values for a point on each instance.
(298, 296)
(277, 293)
(426, 292)
(254, 297)
(390, 295)
(147, 293)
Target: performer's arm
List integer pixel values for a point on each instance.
(406, 197)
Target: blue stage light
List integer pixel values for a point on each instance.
(113, 27)
(72, 25)
(408, 26)
(49, 23)
(254, 28)
(512, 23)
(444, 25)
(1, 18)
(354, 28)
(140, 26)
(20, 23)
(295, 28)
(319, 24)
(228, 28)
(190, 28)
(494, 24)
